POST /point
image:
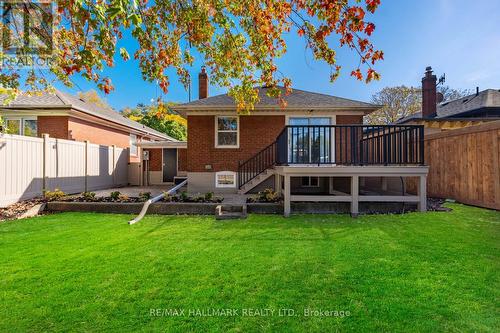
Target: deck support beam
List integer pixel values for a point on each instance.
(422, 193)
(355, 196)
(286, 196)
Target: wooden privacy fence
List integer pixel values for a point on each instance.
(464, 165)
(30, 165)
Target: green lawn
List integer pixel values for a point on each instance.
(417, 272)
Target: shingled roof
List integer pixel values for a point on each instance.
(61, 100)
(489, 98)
(298, 99)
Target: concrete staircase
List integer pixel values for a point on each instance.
(230, 212)
(256, 181)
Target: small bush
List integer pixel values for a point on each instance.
(54, 195)
(123, 197)
(115, 195)
(209, 196)
(268, 195)
(88, 196)
(184, 196)
(167, 197)
(144, 196)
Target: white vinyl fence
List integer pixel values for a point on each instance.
(30, 165)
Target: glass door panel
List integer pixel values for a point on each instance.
(309, 144)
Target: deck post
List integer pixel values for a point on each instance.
(422, 193)
(286, 197)
(277, 183)
(354, 196)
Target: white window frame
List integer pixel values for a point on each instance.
(333, 121)
(310, 178)
(133, 143)
(225, 173)
(227, 131)
(21, 123)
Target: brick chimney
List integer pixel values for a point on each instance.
(429, 94)
(202, 84)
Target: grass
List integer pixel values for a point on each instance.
(92, 272)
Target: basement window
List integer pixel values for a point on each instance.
(225, 179)
(310, 181)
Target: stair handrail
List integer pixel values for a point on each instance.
(257, 164)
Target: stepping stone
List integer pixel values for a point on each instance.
(229, 212)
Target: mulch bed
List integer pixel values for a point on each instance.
(14, 211)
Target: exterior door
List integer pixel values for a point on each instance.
(309, 145)
(169, 165)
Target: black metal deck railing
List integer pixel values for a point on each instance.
(339, 145)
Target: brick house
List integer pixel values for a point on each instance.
(438, 115)
(64, 116)
(316, 149)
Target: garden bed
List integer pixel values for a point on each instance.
(165, 208)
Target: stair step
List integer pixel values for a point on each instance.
(227, 212)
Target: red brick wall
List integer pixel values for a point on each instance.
(256, 132)
(181, 159)
(155, 159)
(81, 130)
(349, 120)
(54, 126)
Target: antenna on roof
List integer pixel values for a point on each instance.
(442, 79)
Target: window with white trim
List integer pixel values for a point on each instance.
(21, 126)
(133, 144)
(310, 181)
(226, 132)
(225, 179)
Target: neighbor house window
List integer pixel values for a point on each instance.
(226, 134)
(133, 144)
(310, 181)
(225, 179)
(21, 126)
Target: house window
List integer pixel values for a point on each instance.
(21, 126)
(225, 179)
(226, 134)
(133, 144)
(310, 181)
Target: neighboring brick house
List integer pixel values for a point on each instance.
(63, 116)
(438, 115)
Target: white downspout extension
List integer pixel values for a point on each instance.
(156, 199)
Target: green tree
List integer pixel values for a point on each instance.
(160, 117)
(239, 41)
(403, 101)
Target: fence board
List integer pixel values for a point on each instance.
(464, 165)
(22, 161)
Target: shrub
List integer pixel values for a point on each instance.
(115, 195)
(268, 195)
(209, 196)
(54, 195)
(88, 196)
(184, 196)
(167, 197)
(123, 197)
(144, 196)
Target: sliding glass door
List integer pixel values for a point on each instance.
(308, 144)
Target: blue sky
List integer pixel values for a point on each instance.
(458, 37)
